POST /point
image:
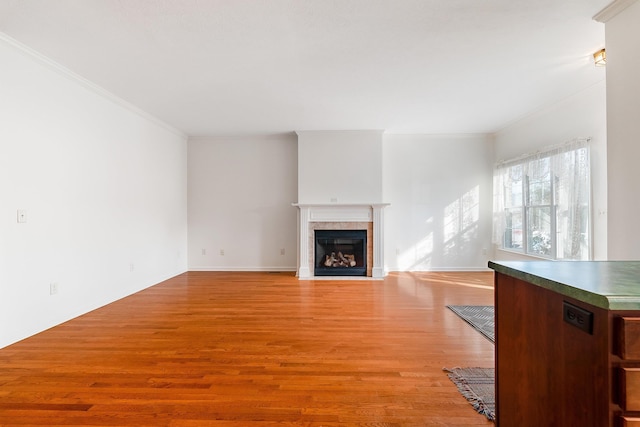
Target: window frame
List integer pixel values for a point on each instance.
(527, 205)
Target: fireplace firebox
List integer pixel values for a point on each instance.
(340, 253)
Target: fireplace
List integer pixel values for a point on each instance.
(340, 253)
(343, 217)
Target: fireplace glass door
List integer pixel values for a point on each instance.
(340, 253)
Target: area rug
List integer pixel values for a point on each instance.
(477, 385)
(480, 317)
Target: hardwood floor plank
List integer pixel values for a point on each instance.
(256, 349)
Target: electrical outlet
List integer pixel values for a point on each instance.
(578, 317)
(204, 251)
(22, 215)
(53, 288)
(222, 252)
(131, 267)
(282, 251)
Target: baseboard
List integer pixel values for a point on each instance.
(294, 269)
(170, 276)
(444, 270)
(256, 269)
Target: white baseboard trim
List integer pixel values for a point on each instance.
(170, 276)
(294, 269)
(249, 269)
(443, 270)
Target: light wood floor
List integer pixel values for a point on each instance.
(256, 349)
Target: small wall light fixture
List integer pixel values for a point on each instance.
(600, 58)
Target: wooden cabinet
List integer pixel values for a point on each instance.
(629, 388)
(627, 337)
(565, 358)
(629, 422)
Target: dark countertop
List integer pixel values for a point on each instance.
(612, 285)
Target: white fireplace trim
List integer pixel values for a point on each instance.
(369, 212)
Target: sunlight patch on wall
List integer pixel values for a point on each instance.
(461, 222)
(418, 254)
(448, 238)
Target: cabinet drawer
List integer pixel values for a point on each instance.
(628, 338)
(630, 389)
(629, 422)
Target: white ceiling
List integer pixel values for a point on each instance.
(221, 67)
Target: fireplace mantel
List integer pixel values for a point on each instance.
(340, 213)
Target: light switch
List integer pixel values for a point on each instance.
(22, 215)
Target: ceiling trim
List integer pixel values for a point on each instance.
(244, 137)
(611, 10)
(99, 90)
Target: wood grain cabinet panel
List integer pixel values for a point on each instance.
(542, 360)
(627, 338)
(629, 422)
(630, 389)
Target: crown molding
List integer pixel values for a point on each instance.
(99, 90)
(612, 9)
(376, 132)
(245, 137)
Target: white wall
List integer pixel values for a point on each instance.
(440, 191)
(241, 191)
(582, 115)
(104, 188)
(623, 117)
(340, 166)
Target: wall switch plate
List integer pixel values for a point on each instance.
(22, 215)
(53, 288)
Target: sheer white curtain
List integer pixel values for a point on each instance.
(498, 205)
(573, 199)
(541, 202)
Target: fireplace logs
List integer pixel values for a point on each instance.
(341, 260)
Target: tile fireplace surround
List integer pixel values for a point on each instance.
(341, 217)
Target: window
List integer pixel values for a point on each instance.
(541, 203)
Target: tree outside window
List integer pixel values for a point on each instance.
(541, 203)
